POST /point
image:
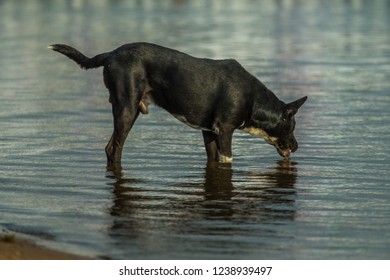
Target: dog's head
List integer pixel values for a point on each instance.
(278, 128)
(282, 135)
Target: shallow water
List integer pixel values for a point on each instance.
(330, 201)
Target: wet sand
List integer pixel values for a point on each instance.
(13, 248)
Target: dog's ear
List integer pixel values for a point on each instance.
(292, 108)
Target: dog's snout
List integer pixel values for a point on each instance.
(287, 146)
(284, 153)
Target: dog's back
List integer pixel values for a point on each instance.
(190, 88)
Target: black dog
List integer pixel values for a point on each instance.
(215, 96)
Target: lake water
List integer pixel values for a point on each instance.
(330, 201)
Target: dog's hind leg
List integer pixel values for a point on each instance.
(125, 95)
(124, 120)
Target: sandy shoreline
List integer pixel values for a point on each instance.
(15, 248)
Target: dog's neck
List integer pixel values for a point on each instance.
(267, 109)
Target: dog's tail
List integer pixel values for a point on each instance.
(82, 60)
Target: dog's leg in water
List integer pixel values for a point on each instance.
(210, 145)
(125, 111)
(110, 148)
(224, 144)
(123, 122)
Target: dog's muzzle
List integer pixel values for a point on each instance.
(284, 153)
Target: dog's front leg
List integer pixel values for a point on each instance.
(210, 144)
(224, 144)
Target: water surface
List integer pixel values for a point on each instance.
(330, 201)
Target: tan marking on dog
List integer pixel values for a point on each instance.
(146, 100)
(142, 107)
(259, 132)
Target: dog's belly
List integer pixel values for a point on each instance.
(184, 120)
